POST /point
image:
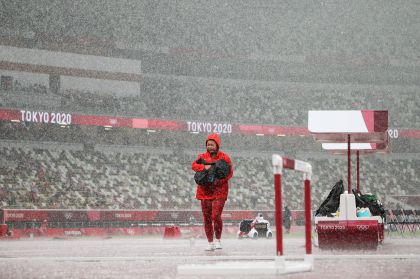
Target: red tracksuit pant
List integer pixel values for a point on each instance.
(212, 216)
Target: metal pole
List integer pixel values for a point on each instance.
(358, 172)
(348, 165)
(279, 215)
(308, 214)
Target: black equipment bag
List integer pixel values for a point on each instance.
(205, 178)
(332, 202)
(376, 208)
(219, 169)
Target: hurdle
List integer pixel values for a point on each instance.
(278, 265)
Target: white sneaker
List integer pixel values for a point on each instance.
(210, 247)
(218, 245)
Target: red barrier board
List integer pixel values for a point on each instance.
(340, 234)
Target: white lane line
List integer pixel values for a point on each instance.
(211, 258)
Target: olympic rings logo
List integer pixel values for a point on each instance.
(362, 227)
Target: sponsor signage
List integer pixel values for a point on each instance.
(54, 215)
(209, 127)
(45, 117)
(63, 118)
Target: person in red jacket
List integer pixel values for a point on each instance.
(213, 198)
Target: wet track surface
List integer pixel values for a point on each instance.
(157, 258)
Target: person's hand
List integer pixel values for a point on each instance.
(200, 161)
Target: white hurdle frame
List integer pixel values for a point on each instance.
(279, 163)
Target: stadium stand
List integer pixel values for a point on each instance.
(166, 97)
(37, 176)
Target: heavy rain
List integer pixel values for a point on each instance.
(209, 139)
